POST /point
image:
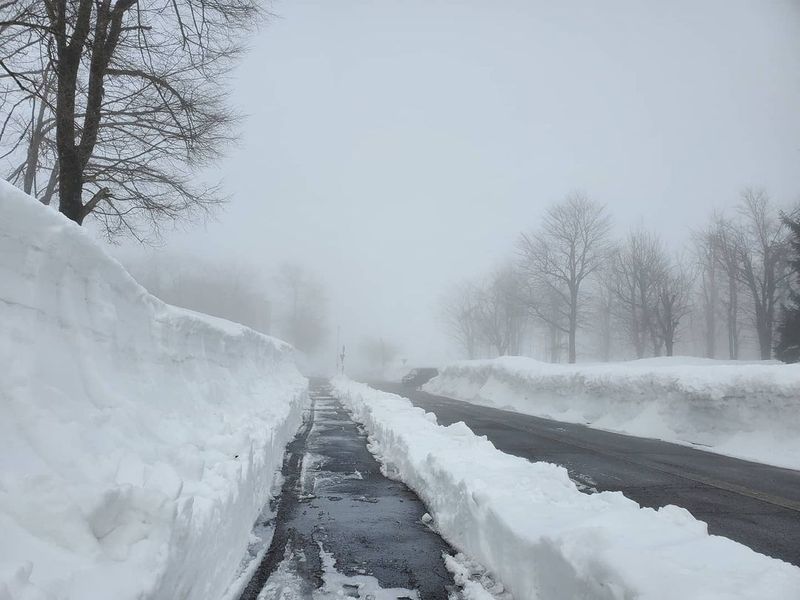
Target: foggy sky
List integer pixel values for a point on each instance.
(400, 146)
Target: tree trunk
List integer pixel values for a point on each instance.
(733, 325)
(37, 136)
(669, 344)
(765, 339)
(70, 190)
(606, 334)
(763, 323)
(555, 342)
(70, 170)
(711, 313)
(573, 327)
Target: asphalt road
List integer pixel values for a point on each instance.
(755, 504)
(335, 503)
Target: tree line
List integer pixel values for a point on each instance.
(291, 302)
(572, 289)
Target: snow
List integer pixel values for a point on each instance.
(530, 526)
(749, 410)
(138, 441)
(286, 583)
(473, 580)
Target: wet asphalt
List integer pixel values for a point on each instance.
(755, 504)
(335, 497)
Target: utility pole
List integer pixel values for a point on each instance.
(339, 357)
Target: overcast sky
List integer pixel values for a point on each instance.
(399, 146)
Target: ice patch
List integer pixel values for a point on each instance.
(286, 584)
(584, 483)
(310, 463)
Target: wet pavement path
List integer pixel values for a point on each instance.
(342, 528)
(755, 504)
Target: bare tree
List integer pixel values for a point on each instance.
(27, 137)
(227, 289)
(726, 239)
(604, 315)
(126, 101)
(637, 269)
(547, 307)
(304, 311)
(763, 253)
(488, 313)
(501, 312)
(705, 254)
(571, 245)
(673, 303)
(460, 314)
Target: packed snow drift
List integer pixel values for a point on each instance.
(747, 410)
(138, 441)
(528, 523)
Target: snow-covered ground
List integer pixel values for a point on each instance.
(138, 442)
(541, 537)
(747, 410)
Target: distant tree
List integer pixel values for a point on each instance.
(459, 312)
(113, 104)
(638, 269)
(548, 307)
(673, 303)
(556, 260)
(223, 289)
(487, 314)
(379, 351)
(705, 254)
(726, 239)
(304, 314)
(603, 315)
(501, 313)
(788, 347)
(763, 249)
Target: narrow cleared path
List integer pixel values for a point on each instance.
(342, 528)
(755, 504)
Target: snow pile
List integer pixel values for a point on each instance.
(747, 410)
(529, 524)
(138, 441)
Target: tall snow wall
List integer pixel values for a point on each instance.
(138, 441)
(747, 410)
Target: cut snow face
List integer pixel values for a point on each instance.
(138, 441)
(345, 530)
(542, 537)
(746, 410)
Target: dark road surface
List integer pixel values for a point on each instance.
(757, 505)
(337, 505)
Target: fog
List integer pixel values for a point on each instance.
(394, 148)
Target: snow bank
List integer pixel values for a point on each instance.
(747, 410)
(529, 524)
(138, 441)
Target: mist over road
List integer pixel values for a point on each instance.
(754, 504)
